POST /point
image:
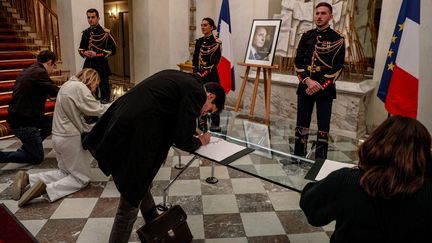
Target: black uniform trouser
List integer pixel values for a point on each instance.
(104, 87)
(305, 107)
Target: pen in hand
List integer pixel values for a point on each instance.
(204, 138)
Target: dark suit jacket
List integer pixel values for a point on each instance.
(131, 140)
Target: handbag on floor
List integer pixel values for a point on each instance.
(170, 226)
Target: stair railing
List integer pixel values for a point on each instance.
(42, 20)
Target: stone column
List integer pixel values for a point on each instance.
(72, 21)
(160, 34)
(425, 82)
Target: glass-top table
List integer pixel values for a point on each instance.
(273, 159)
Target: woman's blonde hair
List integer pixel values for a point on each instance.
(89, 77)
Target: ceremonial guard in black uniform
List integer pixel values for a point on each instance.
(318, 63)
(206, 57)
(97, 44)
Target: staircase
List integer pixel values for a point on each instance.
(18, 49)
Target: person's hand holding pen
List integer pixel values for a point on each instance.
(204, 138)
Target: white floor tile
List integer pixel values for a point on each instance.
(220, 172)
(219, 204)
(3, 186)
(330, 227)
(6, 143)
(247, 185)
(164, 173)
(270, 170)
(285, 200)
(97, 175)
(316, 237)
(225, 240)
(196, 225)
(262, 223)
(245, 160)
(51, 154)
(110, 190)
(12, 205)
(96, 230)
(185, 187)
(15, 166)
(34, 226)
(47, 143)
(74, 208)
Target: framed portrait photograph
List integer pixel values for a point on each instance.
(262, 41)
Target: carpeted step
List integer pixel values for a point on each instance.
(20, 33)
(10, 55)
(3, 113)
(5, 19)
(49, 109)
(13, 47)
(15, 39)
(6, 86)
(9, 74)
(13, 26)
(7, 32)
(16, 64)
(5, 98)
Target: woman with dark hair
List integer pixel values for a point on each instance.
(388, 197)
(206, 57)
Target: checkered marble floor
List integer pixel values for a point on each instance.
(239, 208)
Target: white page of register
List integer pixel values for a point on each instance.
(218, 149)
(329, 166)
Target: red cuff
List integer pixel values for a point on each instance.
(326, 83)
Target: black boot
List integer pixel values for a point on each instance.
(322, 145)
(301, 140)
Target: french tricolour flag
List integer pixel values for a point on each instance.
(400, 80)
(226, 64)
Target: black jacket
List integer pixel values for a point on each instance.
(320, 56)
(131, 140)
(206, 57)
(361, 218)
(99, 40)
(32, 87)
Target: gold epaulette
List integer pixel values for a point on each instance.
(107, 30)
(340, 33)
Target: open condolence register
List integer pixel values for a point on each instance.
(321, 168)
(222, 151)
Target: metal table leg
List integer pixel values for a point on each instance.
(212, 179)
(164, 203)
(178, 166)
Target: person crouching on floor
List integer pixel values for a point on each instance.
(74, 106)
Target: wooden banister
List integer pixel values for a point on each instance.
(42, 20)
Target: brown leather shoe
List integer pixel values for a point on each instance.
(21, 181)
(35, 191)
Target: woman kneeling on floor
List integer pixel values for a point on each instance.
(75, 106)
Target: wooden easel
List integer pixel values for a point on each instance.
(267, 70)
